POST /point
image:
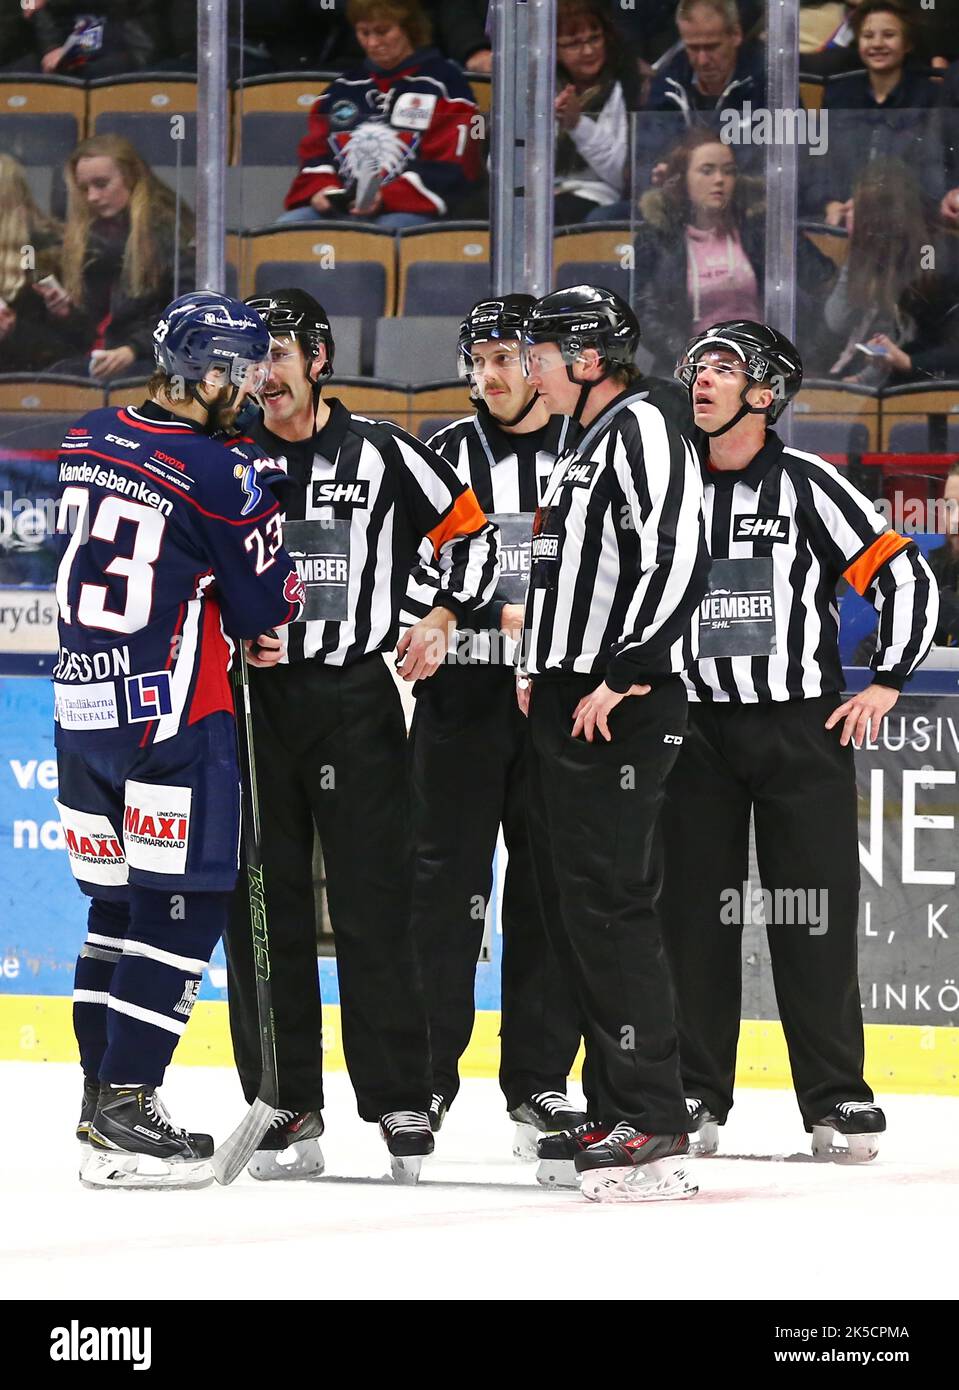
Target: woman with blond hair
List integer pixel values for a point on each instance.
(126, 254)
(30, 337)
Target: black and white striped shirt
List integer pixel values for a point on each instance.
(395, 493)
(508, 473)
(807, 527)
(619, 553)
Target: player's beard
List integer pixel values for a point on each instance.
(223, 412)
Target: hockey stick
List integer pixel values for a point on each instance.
(232, 1156)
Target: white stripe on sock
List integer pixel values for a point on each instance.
(132, 947)
(121, 1006)
(90, 996)
(114, 942)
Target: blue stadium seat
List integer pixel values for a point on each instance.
(607, 273)
(357, 288)
(911, 437)
(150, 134)
(829, 436)
(437, 287)
(38, 139)
(415, 350)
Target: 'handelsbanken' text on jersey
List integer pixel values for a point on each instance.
(174, 542)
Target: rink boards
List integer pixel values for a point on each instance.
(909, 918)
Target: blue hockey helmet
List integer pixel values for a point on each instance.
(203, 332)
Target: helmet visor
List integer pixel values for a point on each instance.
(688, 371)
(241, 372)
(540, 358)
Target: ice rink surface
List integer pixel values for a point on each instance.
(770, 1224)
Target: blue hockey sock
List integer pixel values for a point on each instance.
(157, 979)
(107, 925)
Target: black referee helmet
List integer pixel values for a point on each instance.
(585, 316)
(767, 358)
(296, 313)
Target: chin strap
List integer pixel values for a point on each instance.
(744, 410)
(509, 424)
(585, 387)
(317, 387)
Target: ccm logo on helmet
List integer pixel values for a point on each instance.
(761, 528)
(354, 493)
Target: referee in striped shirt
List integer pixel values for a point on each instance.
(619, 566)
(468, 754)
(331, 743)
(771, 735)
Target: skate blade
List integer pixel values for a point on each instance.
(142, 1171)
(557, 1172)
(705, 1142)
(858, 1148)
(661, 1181)
(405, 1171)
(301, 1160)
(524, 1142)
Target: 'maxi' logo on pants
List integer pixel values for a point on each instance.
(146, 827)
(93, 846)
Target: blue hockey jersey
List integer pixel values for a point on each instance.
(175, 546)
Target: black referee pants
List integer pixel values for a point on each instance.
(593, 814)
(778, 761)
(468, 749)
(331, 752)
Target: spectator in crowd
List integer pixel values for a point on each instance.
(595, 95)
(885, 34)
(462, 32)
(894, 310)
(716, 70)
(30, 337)
(127, 251)
(890, 117)
(700, 250)
(73, 38)
(394, 142)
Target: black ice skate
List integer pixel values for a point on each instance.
(557, 1151)
(631, 1166)
(703, 1129)
(290, 1148)
(409, 1139)
(439, 1105)
(88, 1108)
(859, 1122)
(544, 1112)
(134, 1144)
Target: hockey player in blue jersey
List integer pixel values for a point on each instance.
(174, 549)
